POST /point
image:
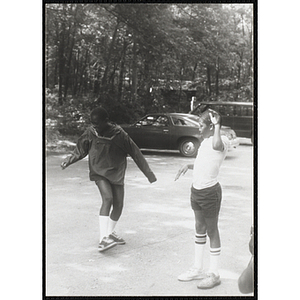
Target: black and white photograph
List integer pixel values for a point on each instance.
(121, 119)
(150, 149)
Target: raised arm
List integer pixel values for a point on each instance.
(217, 141)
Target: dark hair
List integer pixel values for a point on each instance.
(99, 114)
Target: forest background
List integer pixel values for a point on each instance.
(135, 59)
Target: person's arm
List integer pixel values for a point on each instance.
(246, 279)
(183, 170)
(217, 141)
(81, 151)
(128, 145)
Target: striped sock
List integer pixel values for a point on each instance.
(200, 241)
(214, 260)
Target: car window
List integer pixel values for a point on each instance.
(246, 111)
(177, 121)
(225, 110)
(154, 120)
(147, 121)
(161, 121)
(228, 110)
(222, 110)
(234, 110)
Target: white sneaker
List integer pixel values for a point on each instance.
(192, 274)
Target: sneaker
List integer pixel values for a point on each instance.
(192, 274)
(209, 282)
(106, 243)
(116, 238)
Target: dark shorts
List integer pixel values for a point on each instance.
(208, 200)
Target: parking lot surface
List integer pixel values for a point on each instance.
(157, 224)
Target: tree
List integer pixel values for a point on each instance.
(112, 54)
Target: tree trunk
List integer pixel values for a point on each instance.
(111, 79)
(68, 67)
(82, 85)
(250, 43)
(208, 86)
(55, 74)
(147, 79)
(76, 72)
(217, 77)
(180, 88)
(61, 66)
(61, 60)
(104, 78)
(68, 64)
(134, 70)
(121, 75)
(194, 72)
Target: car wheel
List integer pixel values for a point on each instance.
(189, 147)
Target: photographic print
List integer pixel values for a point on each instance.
(150, 134)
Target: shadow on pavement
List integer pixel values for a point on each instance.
(167, 153)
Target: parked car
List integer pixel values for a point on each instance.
(236, 115)
(172, 131)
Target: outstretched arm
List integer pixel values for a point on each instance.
(183, 170)
(128, 145)
(81, 151)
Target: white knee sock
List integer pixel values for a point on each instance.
(214, 260)
(200, 241)
(111, 226)
(103, 225)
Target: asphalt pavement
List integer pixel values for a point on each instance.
(157, 224)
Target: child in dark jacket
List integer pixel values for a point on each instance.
(107, 145)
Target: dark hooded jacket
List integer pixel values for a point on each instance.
(108, 154)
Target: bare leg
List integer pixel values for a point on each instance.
(200, 223)
(118, 202)
(106, 192)
(213, 232)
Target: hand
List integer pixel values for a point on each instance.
(214, 117)
(152, 178)
(181, 171)
(63, 165)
